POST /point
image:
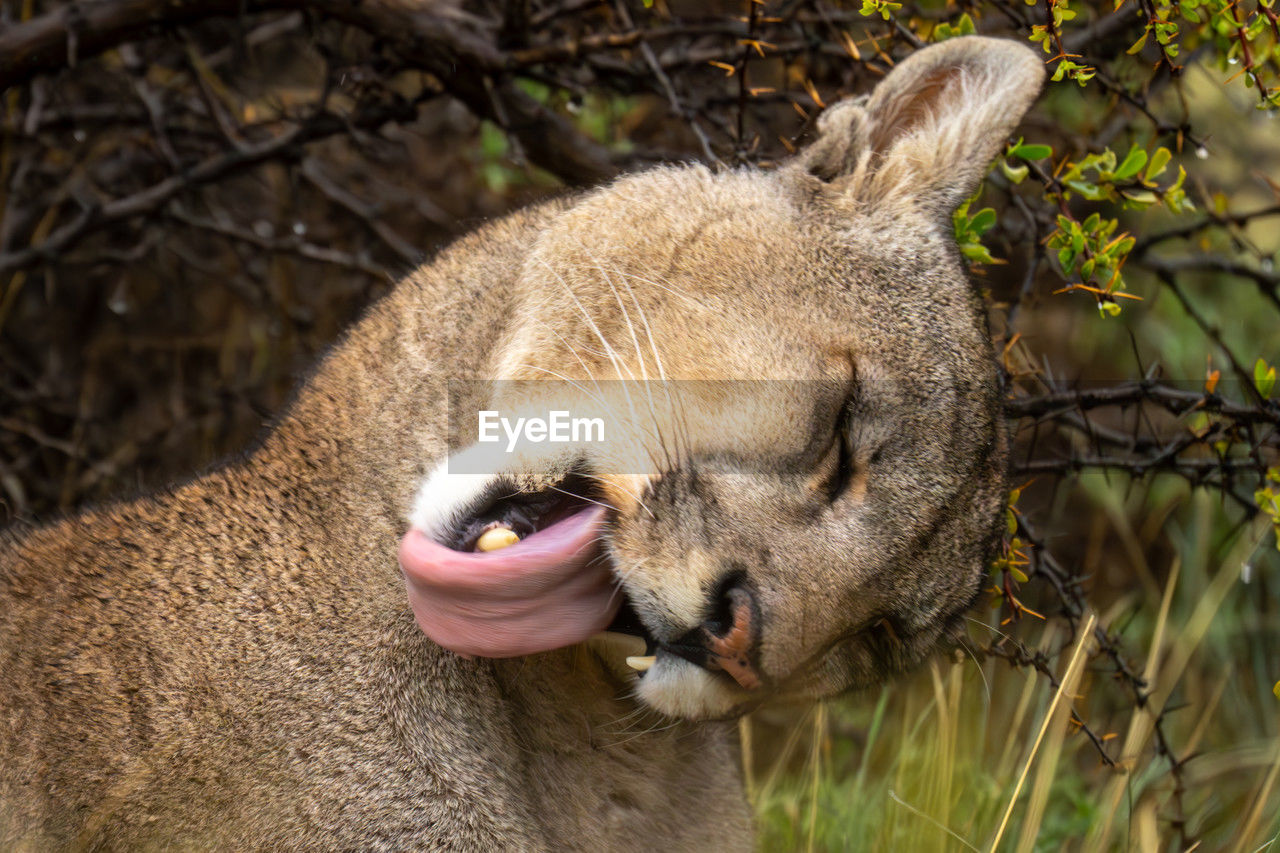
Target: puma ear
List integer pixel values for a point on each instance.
(927, 132)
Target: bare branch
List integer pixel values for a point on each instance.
(153, 198)
(429, 37)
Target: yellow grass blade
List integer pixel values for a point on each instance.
(1066, 686)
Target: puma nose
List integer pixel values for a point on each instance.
(731, 634)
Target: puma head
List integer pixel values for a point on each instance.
(808, 467)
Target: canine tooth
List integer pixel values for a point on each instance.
(615, 643)
(641, 663)
(498, 537)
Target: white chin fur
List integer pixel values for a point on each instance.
(678, 688)
(444, 499)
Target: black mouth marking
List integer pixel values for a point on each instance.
(707, 645)
(629, 622)
(524, 512)
(690, 647)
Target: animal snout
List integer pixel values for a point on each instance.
(727, 639)
(731, 634)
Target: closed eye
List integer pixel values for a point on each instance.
(837, 470)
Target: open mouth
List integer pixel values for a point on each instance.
(522, 571)
(523, 513)
(528, 514)
(545, 587)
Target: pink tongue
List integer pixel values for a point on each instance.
(550, 590)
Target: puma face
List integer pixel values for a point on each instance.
(805, 467)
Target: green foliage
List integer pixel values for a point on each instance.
(1264, 378)
(883, 8)
(1010, 563)
(1268, 497)
(1089, 253)
(495, 170)
(1125, 181)
(1029, 152)
(1048, 36)
(969, 229)
(963, 27)
(1238, 35)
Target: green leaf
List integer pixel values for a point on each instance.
(1132, 164)
(982, 221)
(1264, 378)
(1092, 192)
(1031, 152)
(1140, 198)
(1159, 160)
(977, 253)
(1015, 174)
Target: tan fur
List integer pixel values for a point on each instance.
(232, 663)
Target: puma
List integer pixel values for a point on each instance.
(303, 650)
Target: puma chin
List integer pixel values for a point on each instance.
(809, 505)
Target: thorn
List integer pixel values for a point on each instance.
(756, 44)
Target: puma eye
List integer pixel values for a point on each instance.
(836, 471)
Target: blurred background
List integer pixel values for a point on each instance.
(197, 197)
